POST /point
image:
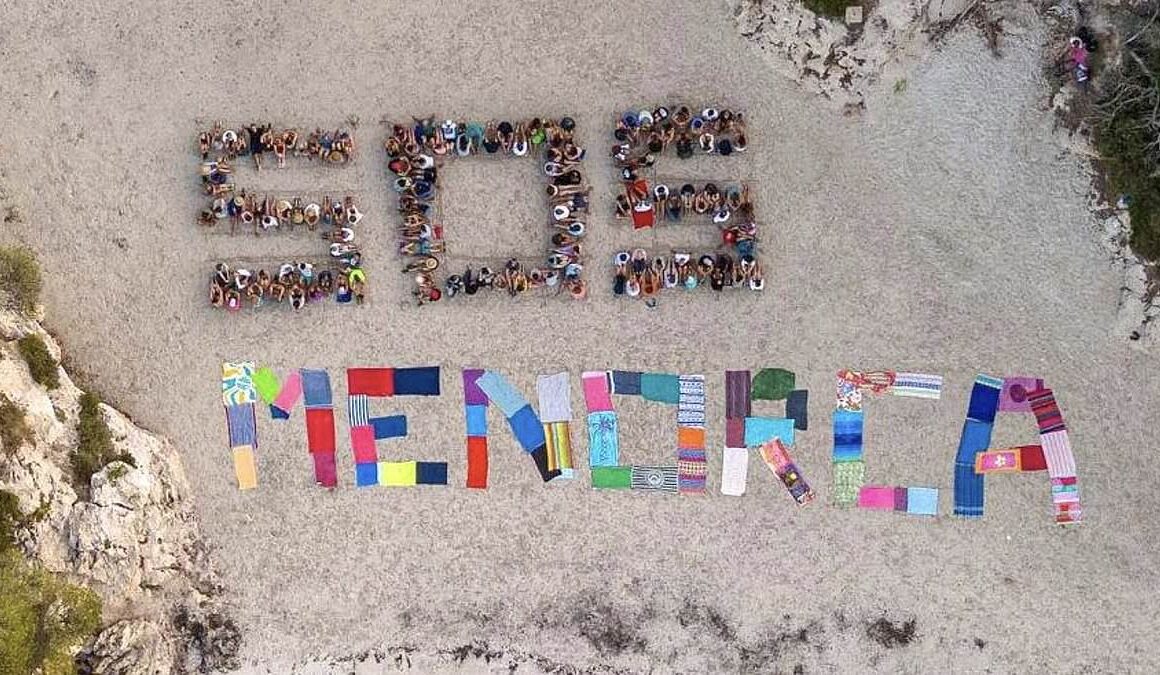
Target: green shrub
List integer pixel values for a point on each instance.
(19, 278)
(40, 362)
(10, 519)
(42, 618)
(830, 8)
(94, 448)
(13, 429)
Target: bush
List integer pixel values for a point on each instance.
(19, 278)
(10, 518)
(830, 8)
(42, 618)
(40, 362)
(94, 448)
(13, 430)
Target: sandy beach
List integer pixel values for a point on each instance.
(944, 230)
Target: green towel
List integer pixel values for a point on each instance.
(772, 384)
(660, 387)
(611, 477)
(266, 384)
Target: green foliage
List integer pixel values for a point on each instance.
(10, 519)
(94, 449)
(13, 430)
(19, 278)
(1127, 135)
(41, 365)
(42, 618)
(830, 8)
(117, 472)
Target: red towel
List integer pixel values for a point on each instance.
(1031, 458)
(325, 471)
(320, 430)
(477, 462)
(370, 381)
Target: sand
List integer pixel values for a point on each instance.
(942, 231)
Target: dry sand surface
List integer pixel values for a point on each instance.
(942, 231)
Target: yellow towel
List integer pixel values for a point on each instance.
(397, 474)
(244, 467)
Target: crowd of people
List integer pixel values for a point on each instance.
(255, 140)
(295, 283)
(642, 137)
(415, 152)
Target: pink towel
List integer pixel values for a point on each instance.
(876, 497)
(291, 392)
(1013, 397)
(596, 394)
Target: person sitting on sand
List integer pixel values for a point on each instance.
(278, 291)
(222, 274)
(297, 296)
(343, 293)
(306, 272)
(325, 282)
(233, 300)
(217, 296)
(242, 278)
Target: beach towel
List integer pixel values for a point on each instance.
(691, 400)
(266, 384)
(734, 471)
(397, 474)
(540, 458)
(431, 473)
(1011, 460)
(1013, 396)
(245, 469)
(362, 442)
(659, 478)
(325, 470)
(691, 471)
(797, 408)
(660, 387)
(596, 392)
(528, 429)
(877, 497)
(555, 397)
(320, 430)
(775, 454)
(242, 425)
(612, 477)
(734, 432)
(472, 394)
(772, 384)
(603, 439)
(761, 429)
(1047, 415)
(393, 426)
(969, 494)
(984, 399)
(477, 462)
(358, 410)
(366, 474)
(848, 480)
(917, 385)
(316, 388)
(422, 381)
(288, 396)
(476, 416)
(626, 383)
(238, 383)
(559, 439)
(737, 394)
(500, 392)
(376, 382)
(922, 501)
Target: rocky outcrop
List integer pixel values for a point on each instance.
(130, 535)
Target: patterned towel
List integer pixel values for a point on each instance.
(358, 410)
(1013, 397)
(691, 401)
(238, 383)
(917, 385)
(603, 439)
(661, 478)
(776, 457)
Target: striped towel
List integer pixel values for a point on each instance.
(358, 408)
(918, 385)
(660, 478)
(1046, 411)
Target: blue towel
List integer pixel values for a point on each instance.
(431, 473)
(969, 486)
(847, 435)
(476, 420)
(394, 426)
(278, 413)
(500, 392)
(242, 425)
(922, 501)
(660, 387)
(528, 429)
(984, 402)
(758, 430)
(366, 474)
(603, 439)
(797, 408)
(422, 381)
(316, 388)
(626, 382)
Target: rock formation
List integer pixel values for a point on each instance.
(130, 535)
